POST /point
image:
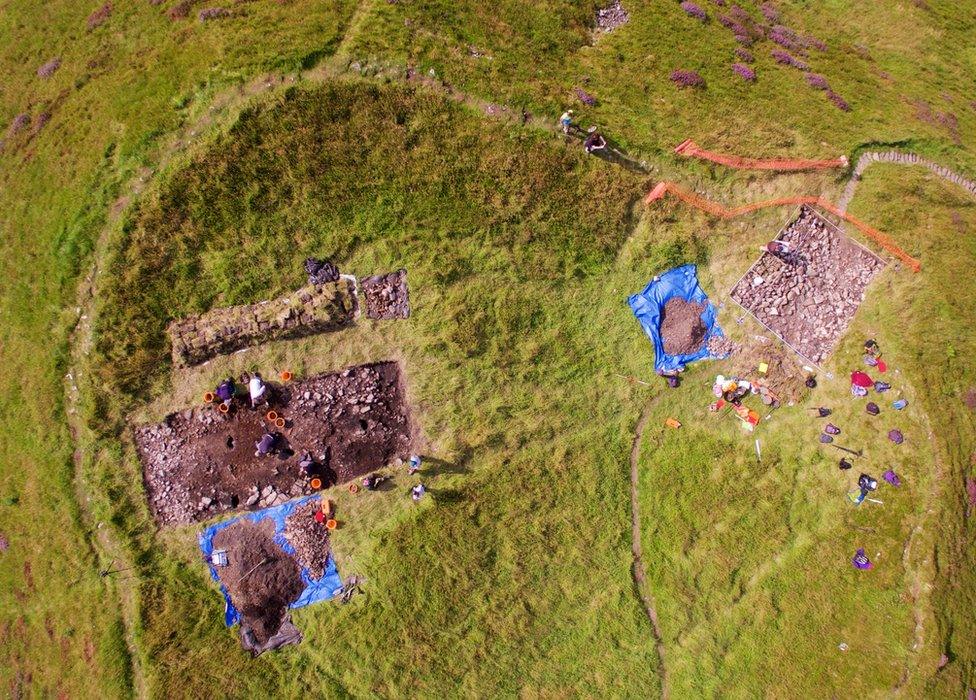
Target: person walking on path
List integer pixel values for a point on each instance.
(413, 466)
(566, 121)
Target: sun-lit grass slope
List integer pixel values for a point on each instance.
(902, 68)
(68, 141)
(930, 317)
(521, 568)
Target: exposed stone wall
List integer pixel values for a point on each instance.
(899, 158)
(309, 310)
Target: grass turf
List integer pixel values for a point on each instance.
(145, 76)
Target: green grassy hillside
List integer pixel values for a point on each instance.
(172, 164)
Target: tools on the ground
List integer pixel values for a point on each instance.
(632, 380)
(856, 453)
(351, 586)
(822, 411)
(108, 572)
(254, 568)
(758, 451)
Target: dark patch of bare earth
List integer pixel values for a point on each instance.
(198, 463)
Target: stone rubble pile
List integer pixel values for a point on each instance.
(309, 310)
(809, 295)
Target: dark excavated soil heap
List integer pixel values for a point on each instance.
(682, 329)
(260, 577)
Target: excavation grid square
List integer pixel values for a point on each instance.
(809, 294)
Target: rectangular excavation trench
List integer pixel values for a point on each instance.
(198, 463)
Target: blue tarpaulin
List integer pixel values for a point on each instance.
(323, 589)
(679, 282)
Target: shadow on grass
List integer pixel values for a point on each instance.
(441, 467)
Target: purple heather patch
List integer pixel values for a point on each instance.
(817, 81)
(769, 12)
(744, 72)
(788, 60)
(686, 78)
(585, 97)
(48, 69)
(694, 10)
(212, 13)
(786, 37)
(815, 43)
(20, 122)
(744, 55)
(838, 101)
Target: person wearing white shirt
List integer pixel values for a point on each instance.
(258, 389)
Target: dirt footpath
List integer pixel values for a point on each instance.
(198, 463)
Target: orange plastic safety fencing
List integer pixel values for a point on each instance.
(692, 150)
(716, 209)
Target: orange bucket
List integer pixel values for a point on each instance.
(353, 488)
(209, 397)
(272, 416)
(286, 376)
(223, 408)
(331, 524)
(315, 483)
(280, 422)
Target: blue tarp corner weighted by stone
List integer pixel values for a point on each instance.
(681, 282)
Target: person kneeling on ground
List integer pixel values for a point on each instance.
(594, 142)
(372, 482)
(266, 445)
(417, 492)
(225, 391)
(258, 390)
(414, 465)
(308, 466)
(776, 247)
(671, 376)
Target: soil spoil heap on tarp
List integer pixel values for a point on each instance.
(261, 579)
(682, 328)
